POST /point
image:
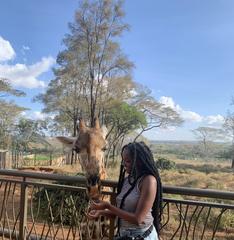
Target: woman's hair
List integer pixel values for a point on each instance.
(143, 164)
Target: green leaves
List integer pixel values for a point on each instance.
(6, 89)
(9, 112)
(28, 132)
(126, 118)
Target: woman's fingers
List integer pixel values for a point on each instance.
(94, 207)
(98, 205)
(93, 214)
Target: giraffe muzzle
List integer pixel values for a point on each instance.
(94, 187)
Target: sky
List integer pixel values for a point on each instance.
(182, 50)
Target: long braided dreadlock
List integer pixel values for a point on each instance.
(140, 153)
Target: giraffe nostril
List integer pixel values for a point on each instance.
(76, 149)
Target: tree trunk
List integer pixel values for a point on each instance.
(113, 155)
(233, 155)
(51, 159)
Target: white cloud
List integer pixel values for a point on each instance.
(168, 129)
(191, 116)
(23, 114)
(6, 50)
(218, 119)
(23, 75)
(186, 115)
(168, 102)
(36, 115)
(25, 48)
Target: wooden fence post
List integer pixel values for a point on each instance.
(23, 210)
(112, 221)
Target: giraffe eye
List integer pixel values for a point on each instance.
(104, 149)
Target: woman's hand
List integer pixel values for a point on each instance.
(99, 205)
(93, 214)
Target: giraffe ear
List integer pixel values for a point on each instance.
(67, 141)
(82, 126)
(104, 131)
(96, 124)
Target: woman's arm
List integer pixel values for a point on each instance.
(145, 203)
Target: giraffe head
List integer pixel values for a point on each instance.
(90, 144)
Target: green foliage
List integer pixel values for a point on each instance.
(193, 150)
(60, 206)
(6, 89)
(8, 115)
(42, 157)
(226, 221)
(9, 112)
(29, 131)
(93, 74)
(91, 61)
(165, 164)
(125, 117)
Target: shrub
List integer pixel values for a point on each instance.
(60, 205)
(226, 221)
(165, 164)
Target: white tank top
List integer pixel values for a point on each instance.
(130, 204)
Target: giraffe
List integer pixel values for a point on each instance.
(90, 144)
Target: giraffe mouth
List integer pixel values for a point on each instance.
(94, 187)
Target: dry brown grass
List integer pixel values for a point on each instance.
(188, 173)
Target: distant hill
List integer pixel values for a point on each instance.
(173, 142)
(181, 142)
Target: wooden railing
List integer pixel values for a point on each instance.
(50, 206)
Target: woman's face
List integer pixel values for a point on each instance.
(127, 161)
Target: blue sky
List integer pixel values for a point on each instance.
(182, 50)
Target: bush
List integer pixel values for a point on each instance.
(165, 164)
(60, 205)
(226, 221)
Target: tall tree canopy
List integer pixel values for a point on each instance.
(93, 77)
(9, 111)
(92, 58)
(28, 132)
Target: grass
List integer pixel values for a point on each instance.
(199, 174)
(192, 173)
(188, 173)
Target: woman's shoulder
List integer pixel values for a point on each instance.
(147, 180)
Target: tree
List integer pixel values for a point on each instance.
(98, 24)
(9, 111)
(207, 135)
(123, 119)
(229, 129)
(94, 76)
(91, 59)
(28, 132)
(6, 89)
(157, 114)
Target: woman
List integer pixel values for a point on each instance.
(139, 199)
